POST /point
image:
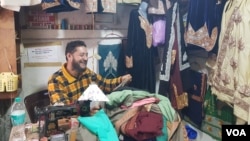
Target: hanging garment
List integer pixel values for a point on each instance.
(139, 53)
(231, 80)
(15, 5)
(195, 109)
(110, 58)
(90, 6)
(178, 97)
(175, 66)
(159, 10)
(55, 6)
(173, 17)
(202, 28)
(109, 6)
(100, 6)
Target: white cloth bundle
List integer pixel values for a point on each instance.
(93, 93)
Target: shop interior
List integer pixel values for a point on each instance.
(187, 54)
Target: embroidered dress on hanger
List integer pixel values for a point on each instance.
(173, 17)
(202, 29)
(110, 54)
(231, 79)
(175, 66)
(139, 53)
(100, 6)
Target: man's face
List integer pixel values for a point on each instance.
(80, 59)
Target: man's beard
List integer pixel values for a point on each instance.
(76, 65)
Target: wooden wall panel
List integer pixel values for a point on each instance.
(7, 40)
(7, 46)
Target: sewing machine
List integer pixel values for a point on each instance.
(56, 119)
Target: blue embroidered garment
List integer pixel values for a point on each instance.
(56, 6)
(108, 64)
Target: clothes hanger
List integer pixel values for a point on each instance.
(112, 34)
(218, 2)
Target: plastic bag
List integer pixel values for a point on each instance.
(159, 26)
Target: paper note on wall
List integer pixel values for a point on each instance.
(43, 54)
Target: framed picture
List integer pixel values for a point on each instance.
(104, 18)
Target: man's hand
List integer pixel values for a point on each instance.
(126, 78)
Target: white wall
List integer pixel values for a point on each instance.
(35, 78)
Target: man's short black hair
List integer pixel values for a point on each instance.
(71, 46)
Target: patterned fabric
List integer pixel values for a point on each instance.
(90, 6)
(195, 109)
(231, 79)
(108, 64)
(63, 87)
(100, 6)
(109, 6)
(217, 113)
(176, 92)
(202, 23)
(147, 27)
(201, 37)
(174, 65)
(55, 6)
(172, 32)
(201, 12)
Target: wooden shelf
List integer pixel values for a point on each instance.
(8, 95)
(50, 34)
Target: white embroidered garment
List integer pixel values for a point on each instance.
(93, 93)
(231, 79)
(15, 5)
(109, 6)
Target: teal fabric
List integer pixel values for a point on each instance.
(164, 136)
(100, 125)
(118, 98)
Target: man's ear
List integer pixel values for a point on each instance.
(69, 55)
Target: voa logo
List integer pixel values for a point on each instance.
(236, 132)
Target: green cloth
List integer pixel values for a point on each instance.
(117, 98)
(217, 108)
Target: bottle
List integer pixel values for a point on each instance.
(64, 24)
(17, 112)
